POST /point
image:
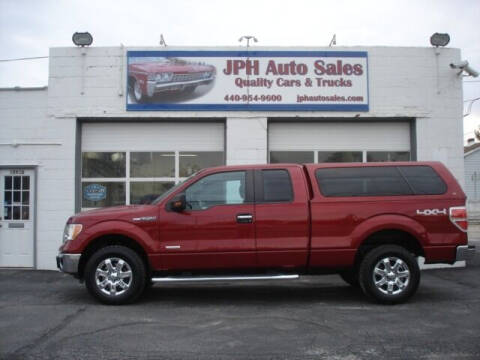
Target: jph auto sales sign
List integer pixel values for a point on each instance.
(248, 80)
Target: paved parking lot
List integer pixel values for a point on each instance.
(48, 315)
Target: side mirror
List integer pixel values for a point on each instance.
(178, 203)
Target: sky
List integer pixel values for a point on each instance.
(29, 28)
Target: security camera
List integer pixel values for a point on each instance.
(463, 66)
(459, 65)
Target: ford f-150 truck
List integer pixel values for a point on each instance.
(367, 222)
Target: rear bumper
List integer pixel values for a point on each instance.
(68, 263)
(465, 252)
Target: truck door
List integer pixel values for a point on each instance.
(216, 230)
(282, 220)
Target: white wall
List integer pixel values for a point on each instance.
(246, 140)
(23, 119)
(472, 187)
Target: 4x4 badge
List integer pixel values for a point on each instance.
(432, 212)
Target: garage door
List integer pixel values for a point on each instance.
(133, 163)
(339, 142)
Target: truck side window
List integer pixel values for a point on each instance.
(423, 180)
(277, 186)
(225, 188)
(362, 181)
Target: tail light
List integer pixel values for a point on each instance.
(458, 216)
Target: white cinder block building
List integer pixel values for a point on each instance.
(472, 178)
(119, 126)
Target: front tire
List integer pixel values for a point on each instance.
(115, 275)
(137, 92)
(389, 274)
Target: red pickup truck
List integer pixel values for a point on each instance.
(367, 222)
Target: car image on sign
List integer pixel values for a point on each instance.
(151, 76)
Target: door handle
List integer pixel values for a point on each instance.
(244, 218)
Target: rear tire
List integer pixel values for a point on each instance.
(389, 274)
(115, 275)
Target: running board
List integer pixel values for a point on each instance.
(223, 278)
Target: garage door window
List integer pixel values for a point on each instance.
(119, 178)
(146, 191)
(102, 193)
(152, 164)
(296, 157)
(339, 156)
(191, 162)
(304, 157)
(380, 156)
(103, 164)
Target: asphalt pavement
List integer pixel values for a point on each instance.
(49, 315)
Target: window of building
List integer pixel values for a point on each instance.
(324, 156)
(296, 157)
(225, 188)
(144, 192)
(277, 186)
(339, 156)
(152, 164)
(16, 197)
(366, 181)
(103, 193)
(379, 156)
(137, 177)
(191, 162)
(103, 164)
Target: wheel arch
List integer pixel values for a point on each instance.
(107, 240)
(130, 80)
(389, 236)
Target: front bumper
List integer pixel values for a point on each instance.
(68, 263)
(465, 252)
(153, 87)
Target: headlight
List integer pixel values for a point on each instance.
(71, 231)
(163, 77)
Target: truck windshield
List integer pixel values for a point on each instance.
(171, 190)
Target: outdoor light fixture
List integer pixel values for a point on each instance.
(439, 39)
(82, 39)
(248, 38)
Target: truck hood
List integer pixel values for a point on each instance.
(124, 213)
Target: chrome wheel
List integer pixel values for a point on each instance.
(113, 276)
(137, 91)
(391, 275)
